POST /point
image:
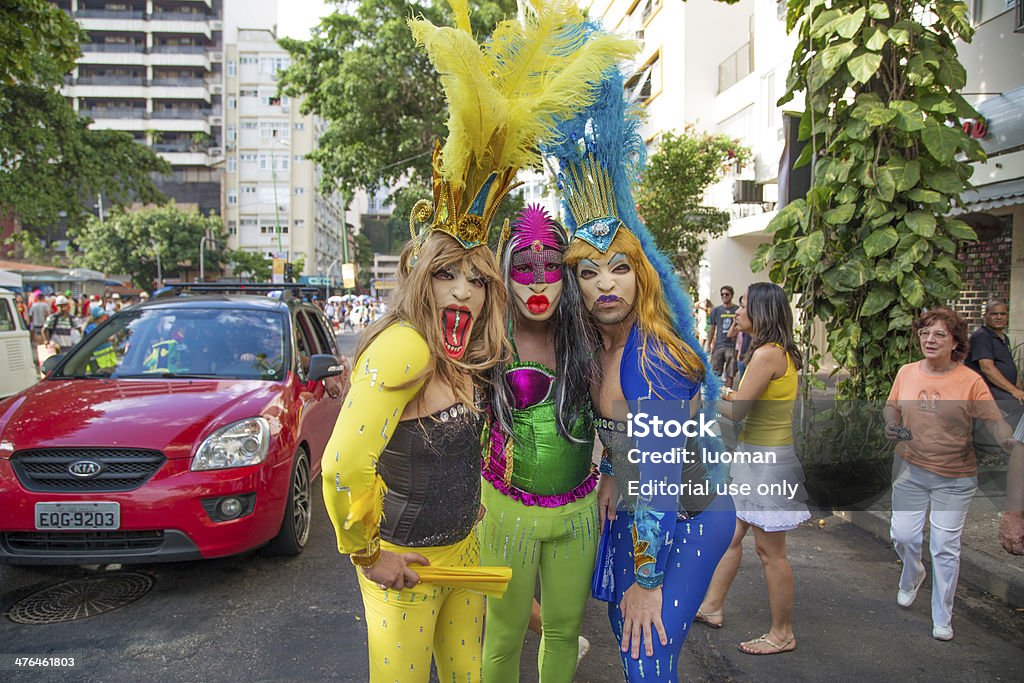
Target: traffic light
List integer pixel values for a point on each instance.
(289, 272)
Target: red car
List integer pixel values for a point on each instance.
(183, 428)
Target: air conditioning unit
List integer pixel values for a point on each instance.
(216, 121)
(215, 151)
(230, 146)
(217, 25)
(216, 89)
(747, 192)
(216, 56)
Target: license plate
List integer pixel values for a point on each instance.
(78, 516)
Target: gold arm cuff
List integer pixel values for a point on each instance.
(370, 557)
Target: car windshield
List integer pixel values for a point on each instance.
(184, 342)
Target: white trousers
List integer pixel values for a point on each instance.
(914, 489)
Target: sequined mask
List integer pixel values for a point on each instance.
(535, 265)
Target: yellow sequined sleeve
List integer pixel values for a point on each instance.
(353, 491)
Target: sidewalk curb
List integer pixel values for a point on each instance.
(1003, 581)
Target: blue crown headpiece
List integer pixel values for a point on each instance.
(600, 154)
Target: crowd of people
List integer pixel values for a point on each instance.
(352, 313)
(462, 471)
(59, 321)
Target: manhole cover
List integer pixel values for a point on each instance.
(80, 598)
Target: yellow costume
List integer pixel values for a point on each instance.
(382, 479)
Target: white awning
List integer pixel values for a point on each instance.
(991, 197)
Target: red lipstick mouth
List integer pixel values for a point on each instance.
(455, 326)
(538, 303)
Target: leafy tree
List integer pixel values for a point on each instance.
(670, 197)
(40, 43)
(128, 242)
(252, 264)
(51, 164)
(871, 244)
(298, 265)
(362, 72)
(363, 261)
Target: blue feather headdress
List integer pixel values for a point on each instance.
(600, 155)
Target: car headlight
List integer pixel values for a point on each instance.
(241, 443)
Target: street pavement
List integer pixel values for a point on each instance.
(261, 618)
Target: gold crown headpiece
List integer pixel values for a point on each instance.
(449, 213)
(588, 192)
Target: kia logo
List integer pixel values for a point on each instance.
(85, 469)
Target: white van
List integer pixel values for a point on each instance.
(18, 365)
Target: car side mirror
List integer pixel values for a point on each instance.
(50, 363)
(322, 366)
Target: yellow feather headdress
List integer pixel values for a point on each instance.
(505, 98)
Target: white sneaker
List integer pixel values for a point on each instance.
(584, 649)
(906, 598)
(942, 633)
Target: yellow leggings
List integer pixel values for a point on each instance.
(404, 628)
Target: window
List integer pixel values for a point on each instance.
(231, 134)
(280, 161)
(247, 157)
(248, 189)
(247, 59)
(646, 82)
(232, 69)
(232, 164)
(300, 190)
(274, 129)
(232, 197)
(232, 228)
(300, 223)
(771, 112)
(249, 92)
(232, 102)
(249, 222)
(300, 126)
(250, 123)
(271, 65)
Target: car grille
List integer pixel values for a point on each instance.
(81, 541)
(46, 469)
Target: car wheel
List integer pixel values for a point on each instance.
(298, 511)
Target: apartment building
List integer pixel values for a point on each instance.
(271, 202)
(152, 68)
(721, 68)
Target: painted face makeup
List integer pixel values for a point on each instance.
(460, 296)
(608, 286)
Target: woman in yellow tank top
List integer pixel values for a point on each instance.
(772, 499)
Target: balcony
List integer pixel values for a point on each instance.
(107, 80)
(179, 82)
(108, 14)
(180, 114)
(736, 67)
(113, 47)
(178, 49)
(114, 113)
(178, 16)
